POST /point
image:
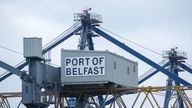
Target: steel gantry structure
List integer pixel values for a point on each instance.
(174, 61)
(87, 26)
(148, 92)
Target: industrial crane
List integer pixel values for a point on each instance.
(87, 26)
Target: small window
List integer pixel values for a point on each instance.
(134, 68)
(115, 65)
(128, 72)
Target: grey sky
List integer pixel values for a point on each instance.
(155, 24)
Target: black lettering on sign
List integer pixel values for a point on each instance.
(85, 70)
(81, 61)
(68, 71)
(74, 61)
(74, 71)
(85, 66)
(90, 71)
(79, 71)
(101, 60)
(67, 61)
(96, 71)
(95, 61)
(87, 61)
(101, 70)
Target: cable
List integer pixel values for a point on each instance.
(11, 50)
(46, 44)
(132, 42)
(153, 69)
(66, 31)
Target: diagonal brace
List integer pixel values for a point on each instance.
(13, 70)
(140, 56)
(151, 74)
(186, 68)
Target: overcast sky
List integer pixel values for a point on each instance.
(155, 24)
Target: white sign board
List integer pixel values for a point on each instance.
(85, 66)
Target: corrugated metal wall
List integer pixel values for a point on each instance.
(118, 69)
(32, 47)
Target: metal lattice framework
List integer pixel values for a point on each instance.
(119, 102)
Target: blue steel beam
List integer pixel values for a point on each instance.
(168, 94)
(61, 40)
(101, 100)
(141, 57)
(186, 68)
(109, 101)
(5, 76)
(9, 74)
(11, 69)
(44, 51)
(151, 74)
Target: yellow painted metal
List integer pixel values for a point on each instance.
(148, 91)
